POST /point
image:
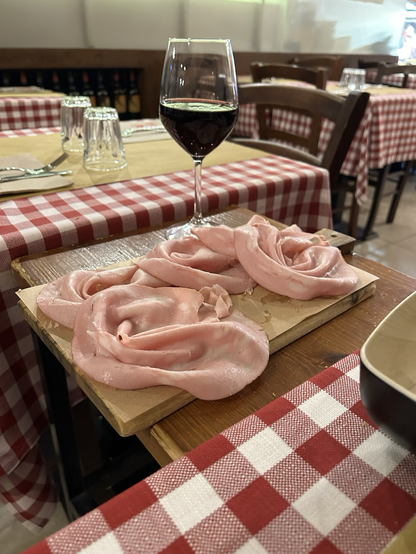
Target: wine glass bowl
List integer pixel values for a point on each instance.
(198, 106)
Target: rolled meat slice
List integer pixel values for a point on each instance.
(190, 263)
(184, 263)
(61, 298)
(292, 266)
(289, 262)
(133, 337)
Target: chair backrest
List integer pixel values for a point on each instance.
(261, 71)
(333, 64)
(368, 64)
(384, 69)
(345, 113)
(301, 76)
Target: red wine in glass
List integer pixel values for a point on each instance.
(198, 106)
(198, 127)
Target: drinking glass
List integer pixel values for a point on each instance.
(72, 118)
(103, 148)
(198, 106)
(352, 78)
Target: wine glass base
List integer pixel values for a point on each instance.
(182, 230)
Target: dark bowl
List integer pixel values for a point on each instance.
(388, 374)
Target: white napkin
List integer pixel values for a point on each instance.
(40, 184)
(143, 136)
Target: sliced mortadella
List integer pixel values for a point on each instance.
(61, 298)
(219, 239)
(133, 337)
(291, 266)
(191, 264)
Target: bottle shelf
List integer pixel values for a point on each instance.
(115, 87)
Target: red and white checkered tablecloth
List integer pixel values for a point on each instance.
(308, 473)
(29, 112)
(385, 135)
(276, 187)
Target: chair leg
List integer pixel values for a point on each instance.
(353, 222)
(398, 192)
(379, 186)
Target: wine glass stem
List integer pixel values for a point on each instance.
(197, 192)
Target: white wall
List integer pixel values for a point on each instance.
(339, 26)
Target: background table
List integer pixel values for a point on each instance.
(22, 111)
(309, 472)
(385, 134)
(272, 186)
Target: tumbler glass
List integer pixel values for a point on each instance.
(72, 118)
(352, 78)
(103, 148)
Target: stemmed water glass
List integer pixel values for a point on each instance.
(198, 106)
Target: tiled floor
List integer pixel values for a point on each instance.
(395, 247)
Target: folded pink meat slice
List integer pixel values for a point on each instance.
(184, 263)
(291, 266)
(221, 239)
(61, 298)
(289, 262)
(133, 337)
(191, 264)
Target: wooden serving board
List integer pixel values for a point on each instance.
(283, 319)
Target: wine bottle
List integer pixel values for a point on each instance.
(39, 79)
(86, 88)
(119, 96)
(23, 79)
(72, 89)
(103, 98)
(5, 79)
(133, 98)
(56, 87)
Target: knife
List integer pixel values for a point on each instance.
(28, 176)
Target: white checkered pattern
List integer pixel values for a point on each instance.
(332, 485)
(276, 187)
(385, 135)
(29, 112)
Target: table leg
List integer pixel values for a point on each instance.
(379, 187)
(55, 388)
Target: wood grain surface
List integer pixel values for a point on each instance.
(283, 319)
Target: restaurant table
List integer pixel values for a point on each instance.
(277, 187)
(29, 110)
(198, 421)
(307, 473)
(384, 136)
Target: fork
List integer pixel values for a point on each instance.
(38, 170)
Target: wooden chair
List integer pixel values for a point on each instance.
(315, 77)
(368, 64)
(345, 113)
(384, 69)
(397, 172)
(262, 71)
(333, 64)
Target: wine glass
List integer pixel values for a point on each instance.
(198, 106)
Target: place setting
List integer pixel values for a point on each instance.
(24, 173)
